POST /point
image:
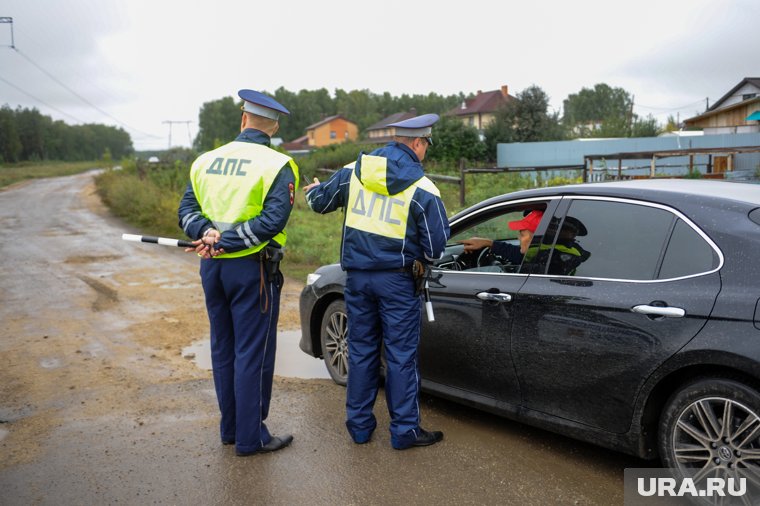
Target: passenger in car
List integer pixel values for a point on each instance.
(509, 252)
(568, 254)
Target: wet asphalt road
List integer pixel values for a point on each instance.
(146, 432)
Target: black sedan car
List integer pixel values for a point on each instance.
(632, 322)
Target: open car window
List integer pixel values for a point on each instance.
(493, 225)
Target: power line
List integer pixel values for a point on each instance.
(665, 109)
(187, 122)
(80, 97)
(9, 21)
(40, 100)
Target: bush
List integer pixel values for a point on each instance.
(147, 196)
(147, 199)
(330, 157)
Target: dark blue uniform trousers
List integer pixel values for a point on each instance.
(243, 344)
(382, 308)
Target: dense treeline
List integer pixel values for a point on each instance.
(601, 111)
(217, 124)
(27, 135)
(363, 107)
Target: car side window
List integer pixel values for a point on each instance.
(616, 240)
(688, 253)
(504, 256)
(494, 228)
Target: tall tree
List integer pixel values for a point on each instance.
(454, 140)
(603, 111)
(31, 126)
(10, 142)
(25, 134)
(533, 120)
(526, 119)
(218, 123)
(671, 125)
(306, 108)
(646, 127)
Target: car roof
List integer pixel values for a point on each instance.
(743, 192)
(666, 191)
(642, 188)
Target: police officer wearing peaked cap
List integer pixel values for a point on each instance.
(236, 206)
(394, 216)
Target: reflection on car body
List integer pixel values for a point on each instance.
(632, 321)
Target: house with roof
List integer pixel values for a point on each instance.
(480, 110)
(738, 111)
(381, 133)
(299, 146)
(331, 130)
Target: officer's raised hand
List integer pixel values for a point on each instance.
(312, 185)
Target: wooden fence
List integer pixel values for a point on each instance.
(461, 181)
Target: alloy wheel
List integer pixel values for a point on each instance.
(336, 345)
(719, 437)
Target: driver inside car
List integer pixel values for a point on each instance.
(526, 227)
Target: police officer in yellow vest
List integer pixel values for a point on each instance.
(236, 206)
(393, 216)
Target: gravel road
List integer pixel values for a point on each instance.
(99, 406)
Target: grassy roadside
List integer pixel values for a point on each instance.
(13, 173)
(149, 202)
(148, 199)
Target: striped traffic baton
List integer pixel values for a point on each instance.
(163, 241)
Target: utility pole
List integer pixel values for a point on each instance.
(186, 122)
(630, 115)
(9, 21)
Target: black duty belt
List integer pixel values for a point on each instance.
(400, 269)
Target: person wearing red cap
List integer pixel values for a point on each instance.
(526, 227)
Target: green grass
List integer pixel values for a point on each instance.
(13, 173)
(148, 199)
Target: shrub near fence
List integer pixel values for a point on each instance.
(148, 198)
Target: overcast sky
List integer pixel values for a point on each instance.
(138, 63)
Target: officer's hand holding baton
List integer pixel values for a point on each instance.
(204, 246)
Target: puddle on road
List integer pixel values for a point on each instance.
(178, 286)
(289, 362)
(50, 363)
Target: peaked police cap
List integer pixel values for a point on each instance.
(261, 105)
(419, 126)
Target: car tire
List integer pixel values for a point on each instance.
(333, 336)
(712, 426)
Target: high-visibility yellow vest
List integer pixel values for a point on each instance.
(372, 209)
(232, 182)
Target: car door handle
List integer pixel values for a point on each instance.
(671, 312)
(495, 297)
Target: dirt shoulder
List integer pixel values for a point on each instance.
(102, 323)
(98, 405)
